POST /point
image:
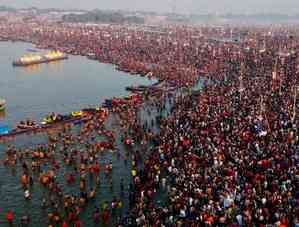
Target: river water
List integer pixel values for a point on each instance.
(62, 87)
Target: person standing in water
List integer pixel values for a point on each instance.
(9, 217)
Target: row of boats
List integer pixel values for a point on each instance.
(84, 115)
(51, 121)
(54, 120)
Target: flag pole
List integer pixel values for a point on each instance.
(294, 104)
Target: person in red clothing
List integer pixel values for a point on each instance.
(105, 216)
(71, 216)
(9, 217)
(77, 223)
(64, 224)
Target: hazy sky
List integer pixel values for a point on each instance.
(184, 6)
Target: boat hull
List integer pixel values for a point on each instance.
(41, 128)
(44, 60)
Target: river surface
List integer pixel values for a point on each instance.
(61, 87)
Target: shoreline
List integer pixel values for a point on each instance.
(40, 128)
(87, 56)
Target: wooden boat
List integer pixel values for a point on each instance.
(136, 89)
(28, 125)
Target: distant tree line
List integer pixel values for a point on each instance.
(103, 17)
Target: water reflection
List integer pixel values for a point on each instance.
(32, 68)
(55, 64)
(38, 67)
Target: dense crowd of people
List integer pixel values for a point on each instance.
(227, 155)
(223, 155)
(225, 162)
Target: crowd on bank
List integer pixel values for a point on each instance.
(227, 155)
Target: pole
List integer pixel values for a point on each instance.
(280, 83)
(241, 81)
(294, 105)
(261, 104)
(264, 113)
(240, 89)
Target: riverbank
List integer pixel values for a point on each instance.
(60, 87)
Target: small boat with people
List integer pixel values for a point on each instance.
(50, 121)
(54, 118)
(28, 124)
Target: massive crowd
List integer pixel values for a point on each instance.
(225, 155)
(225, 161)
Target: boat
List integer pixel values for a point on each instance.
(53, 118)
(21, 126)
(33, 59)
(77, 113)
(2, 105)
(142, 88)
(91, 56)
(59, 121)
(28, 125)
(136, 88)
